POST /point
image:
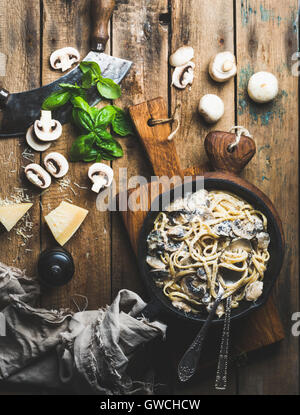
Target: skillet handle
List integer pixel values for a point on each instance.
(217, 149)
(151, 311)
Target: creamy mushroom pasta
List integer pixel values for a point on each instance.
(206, 240)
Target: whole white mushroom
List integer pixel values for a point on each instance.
(211, 107)
(263, 87)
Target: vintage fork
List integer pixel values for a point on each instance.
(221, 376)
(188, 364)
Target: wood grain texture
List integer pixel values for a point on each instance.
(20, 43)
(68, 24)
(217, 147)
(267, 34)
(140, 34)
(208, 29)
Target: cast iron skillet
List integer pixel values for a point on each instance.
(228, 164)
(276, 248)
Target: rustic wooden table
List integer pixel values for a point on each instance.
(264, 36)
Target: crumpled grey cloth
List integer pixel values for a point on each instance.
(88, 352)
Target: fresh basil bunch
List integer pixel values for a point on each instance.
(96, 142)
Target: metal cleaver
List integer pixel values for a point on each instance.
(18, 111)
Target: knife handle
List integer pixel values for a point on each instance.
(101, 11)
(4, 95)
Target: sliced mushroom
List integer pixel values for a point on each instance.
(101, 175)
(263, 87)
(197, 200)
(223, 228)
(38, 176)
(201, 273)
(47, 129)
(211, 107)
(182, 306)
(156, 242)
(243, 229)
(34, 142)
(254, 291)
(183, 75)
(182, 56)
(64, 58)
(176, 233)
(155, 263)
(56, 164)
(240, 244)
(222, 67)
(263, 240)
(193, 287)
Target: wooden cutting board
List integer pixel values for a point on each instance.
(263, 326)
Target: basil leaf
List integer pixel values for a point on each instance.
(82, 148)
(75, 90)
(110, 147)
(79, 102)
(82, 119)
(108, 89)
(93, 67)
(105, 116)
(89, 79)
(55, 100)
(101, 132)
(121, 123)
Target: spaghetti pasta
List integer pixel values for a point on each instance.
(205, 240)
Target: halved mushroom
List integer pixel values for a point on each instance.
(182, 56)
(254, 291)
(240, 244)
(38, 176)
(155, 263)
(176, 233)
(47, 129)
(183, 75)
(34, 142)
(193, 287)
(56, 164)
(64, 58)
(101, 175)
(222, 67)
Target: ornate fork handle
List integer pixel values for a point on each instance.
(188, 364)
(221, 377)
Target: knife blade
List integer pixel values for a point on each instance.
(20, 110)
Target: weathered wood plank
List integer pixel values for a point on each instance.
(139, 34)
(209, 29)
(266, 39)
(20, 43)
(69, 24)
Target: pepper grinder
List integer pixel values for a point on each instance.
(55, 267)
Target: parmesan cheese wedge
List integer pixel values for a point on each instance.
(11, 214)
(65, 220)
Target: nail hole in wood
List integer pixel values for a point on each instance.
(231, 149)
